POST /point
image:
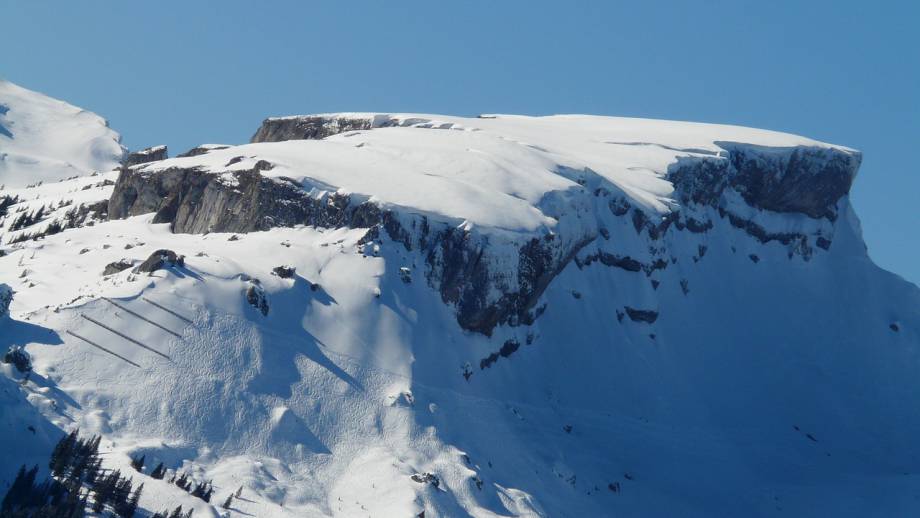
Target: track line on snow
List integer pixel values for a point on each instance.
(145, 319)
(166, 310)
(126, 337)
(94, 344)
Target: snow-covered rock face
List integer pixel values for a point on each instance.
(143, 156)
(500, 316)
(43, 139)
(495, 215)
(312, 127)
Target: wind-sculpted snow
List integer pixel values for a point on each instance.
(43, 139)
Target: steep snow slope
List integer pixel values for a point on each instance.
(43, 139)
(563, 316)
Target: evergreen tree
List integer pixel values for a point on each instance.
(131, 506)
(62, 454)
(122, 491)
(105, 490)
(177, 513)
(138, 463)
(17, 489)
(93, 470)
(183, 482)
(158, 472)
(239, 492)
(228, 502)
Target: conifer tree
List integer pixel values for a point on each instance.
(62, 453)
(198, 492)
(228, 502)
(158, 472)
(138, 463)
(131, 506)
(17, 489)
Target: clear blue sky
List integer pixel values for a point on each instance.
(183, 73)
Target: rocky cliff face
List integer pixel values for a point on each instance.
(310, 127)
(143, 156)
(195, 201)
(491, 278)
(806, 180)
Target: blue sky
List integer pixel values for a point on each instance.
(184, 73)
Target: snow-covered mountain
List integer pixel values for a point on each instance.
(396, 314)
(44, 140)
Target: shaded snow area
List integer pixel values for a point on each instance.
(46, 140)
(686, 353)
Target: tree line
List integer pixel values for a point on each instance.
(77, 479)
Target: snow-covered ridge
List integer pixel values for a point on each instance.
(502, 205)
(497, 175)
(44, 139)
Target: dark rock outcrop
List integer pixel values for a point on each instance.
(507, 349)
(309, 127)
(159, 260)
(284, 272)
(19, 357)
(195, 201)
(641, 315)
(200, 150)
(6, 298)
(607, 259)
(805, 180)
(256, 296)
(427, 478)
(117, 266)
(150, 154)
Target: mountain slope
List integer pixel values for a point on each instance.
(43, 139)
(503, 316)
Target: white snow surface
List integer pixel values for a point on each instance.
(44, 139)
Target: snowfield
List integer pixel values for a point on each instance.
(692, 356)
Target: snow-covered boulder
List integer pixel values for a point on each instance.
(159, 260)
(256, 296)
(117, 266)
(19, 358)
